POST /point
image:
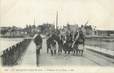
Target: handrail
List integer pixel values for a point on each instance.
(11, 55)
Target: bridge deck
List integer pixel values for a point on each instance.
(88, 59)
(29, 57)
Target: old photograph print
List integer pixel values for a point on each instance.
(57, 33)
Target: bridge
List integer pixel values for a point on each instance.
(28, 57)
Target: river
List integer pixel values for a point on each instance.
(102, 44)
(7, 42)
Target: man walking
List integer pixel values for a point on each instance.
(38, 43)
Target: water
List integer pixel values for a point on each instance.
(102, 44)
(7, 42)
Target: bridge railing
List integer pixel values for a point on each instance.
(12, 55)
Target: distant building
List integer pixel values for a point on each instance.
(69, 27)
(11, 31)
(104, 32)
(46, 28)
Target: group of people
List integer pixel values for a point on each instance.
(67, 42)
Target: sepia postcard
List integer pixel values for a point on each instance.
(52, 36)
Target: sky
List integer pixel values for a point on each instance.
(99, 13)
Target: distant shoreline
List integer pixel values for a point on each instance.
(101, 37)
(11, 36)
